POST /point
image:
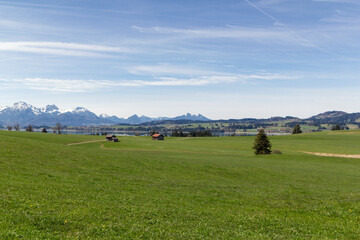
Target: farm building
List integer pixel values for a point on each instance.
(157, 137)
(111, 138)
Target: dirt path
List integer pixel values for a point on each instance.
(334, 133)
(69, 144)
(333, 155)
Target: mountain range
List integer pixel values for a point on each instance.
(24, 114)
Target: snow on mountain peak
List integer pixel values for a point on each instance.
(21, 105)
(80, 109)
(50, 109)
(25, 113)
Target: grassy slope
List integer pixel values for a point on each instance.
(211, 188)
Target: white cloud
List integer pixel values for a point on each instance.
(61, 85)
(25, 26)
(79, 85)
(12, 24)
(227, 32)
(61, 48)
(164, 69)
(171, 70)
(39, 6)
(343, 20)
(66, 85)
(279, 34)
(197, 81)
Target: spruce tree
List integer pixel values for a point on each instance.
(262, 144)
(297, 129)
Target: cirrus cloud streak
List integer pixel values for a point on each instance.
(80, 85)
(62, 48)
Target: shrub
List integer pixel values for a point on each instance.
(335, 127)
(276, 152)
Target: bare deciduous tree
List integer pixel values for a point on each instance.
(29, 128)
(9, 128)
(17, 127)
(58, 128)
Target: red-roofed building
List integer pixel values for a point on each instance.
(157, 137)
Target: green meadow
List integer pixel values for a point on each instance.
(180, 188)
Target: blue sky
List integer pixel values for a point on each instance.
(224, 59)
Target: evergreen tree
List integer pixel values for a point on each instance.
(297, 129)
(262, 144)
(44, 130)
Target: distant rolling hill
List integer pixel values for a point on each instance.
(336, 117)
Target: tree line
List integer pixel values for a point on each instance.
(205, 133)
(56, 129)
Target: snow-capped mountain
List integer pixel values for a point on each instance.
(25, 114)
(20, 111)
(51, 109)
(192, 117)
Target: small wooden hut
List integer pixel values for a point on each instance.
(111, 138)
(157, 137)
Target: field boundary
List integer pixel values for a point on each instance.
(333, 155)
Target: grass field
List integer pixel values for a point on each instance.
(180, 188)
